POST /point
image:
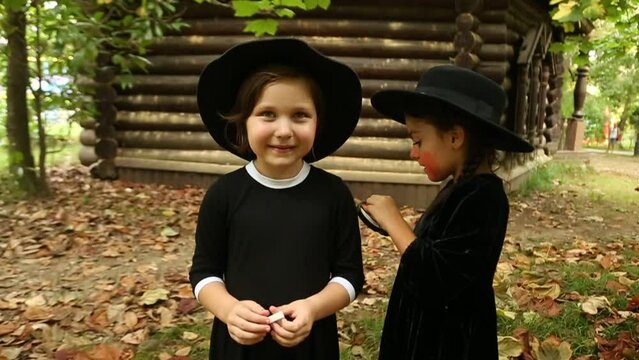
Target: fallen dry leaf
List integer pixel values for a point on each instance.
(552, 348)
(187, 335)
(509, 347)
(135, 338)
(594, 303)
(183, 351)
(151, 297)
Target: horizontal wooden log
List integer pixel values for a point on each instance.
(388, 11)
(188, 104)
(187, 85)
(467, 22)
(87, 155)
(465, 6)
(467, 60)
(87, 137)
(491, 33)
(492, 12)
(371, 147)
(202, 168)
(226, 158)
(331, 46)
(469, 41)
(366, 68)
(532, 10)
(334, 46)
(180, 103)
(87, 123)
(375, 68)
(370, 164)
(162, 84)
(151, 121)
(520, 27)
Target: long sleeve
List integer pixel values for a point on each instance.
(209, 258)
(347, 262)
(459, 245)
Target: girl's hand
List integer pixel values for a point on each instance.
(384, 210)
(289, 333)
(248, 322)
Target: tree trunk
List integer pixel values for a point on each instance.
(636, 153)
(21, 162)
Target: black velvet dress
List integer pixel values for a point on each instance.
(442, 306)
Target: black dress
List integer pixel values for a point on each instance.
(274, 246)
(442, 305)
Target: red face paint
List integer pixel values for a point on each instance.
(430, 164)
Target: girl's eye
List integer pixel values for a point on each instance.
(267, 114)
(301, 114)
(417, 143)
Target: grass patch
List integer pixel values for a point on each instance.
(570, 325)
(170, 340)
(605, 187)
(545, 176)
(368, 327)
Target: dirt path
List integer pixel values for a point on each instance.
(602, 162)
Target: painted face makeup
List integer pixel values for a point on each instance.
(430, 164)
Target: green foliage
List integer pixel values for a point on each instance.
(577, 16)
(15, 4)
(126, 28)
(271, 9)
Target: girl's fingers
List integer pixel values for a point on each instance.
(252, 327)
(244, 337)
(280, 330)
(256, 308)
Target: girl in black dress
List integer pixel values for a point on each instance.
(277, 234)
(442, 304)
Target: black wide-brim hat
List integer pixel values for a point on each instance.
(464, 89)
(341, 90)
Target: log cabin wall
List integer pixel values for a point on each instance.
(152, 131)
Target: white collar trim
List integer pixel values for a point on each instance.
(278, 183)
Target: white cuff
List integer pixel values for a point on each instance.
(203, 283)
(346, 284)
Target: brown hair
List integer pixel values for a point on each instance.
(251, 90)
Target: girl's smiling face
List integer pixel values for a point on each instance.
(281, 128)
(438, 152)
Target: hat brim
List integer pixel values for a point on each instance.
(341, 90)
(395, 103)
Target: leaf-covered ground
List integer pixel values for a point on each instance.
(99, 272)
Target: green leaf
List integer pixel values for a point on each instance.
(594, 11)
(245, 8)
(324, 4)
(15, 5)
(262, 27)
(288, 13)
(311, 4)
(295, 4)
(564, 11)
